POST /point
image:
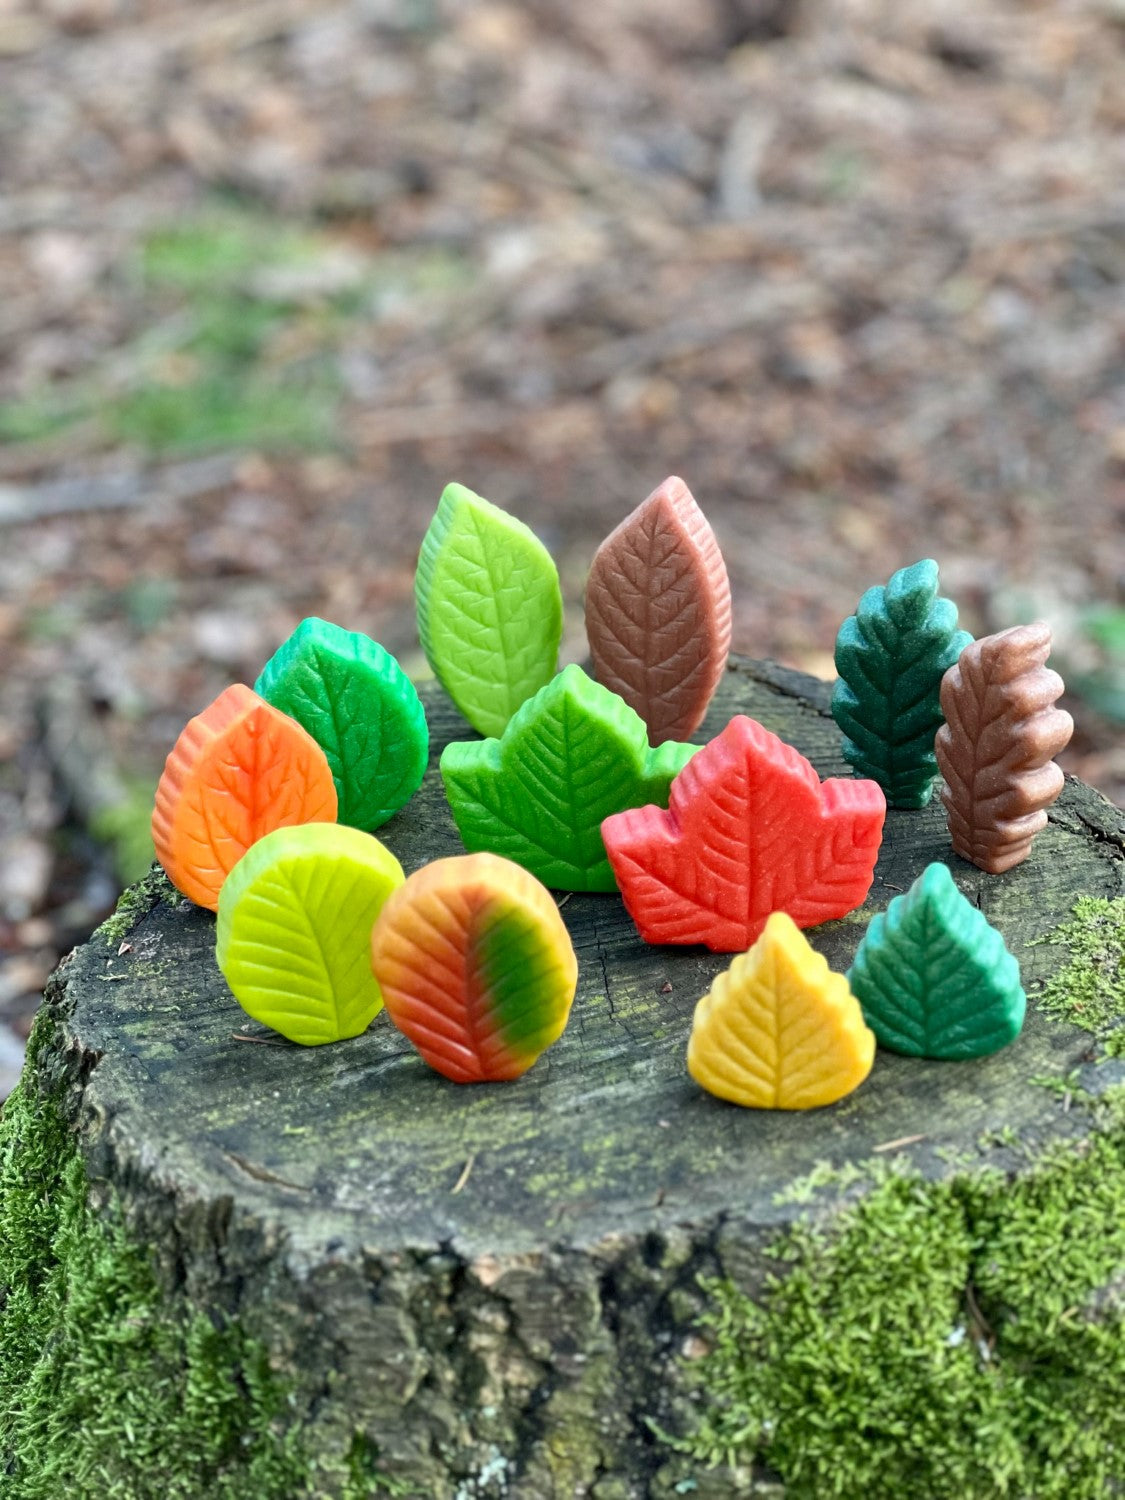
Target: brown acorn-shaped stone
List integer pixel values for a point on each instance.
(658, 613)
(996, 749)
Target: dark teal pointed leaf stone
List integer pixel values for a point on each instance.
(355, 700)
(933, 976)
(891, 656)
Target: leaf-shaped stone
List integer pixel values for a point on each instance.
(779, 1030)
(997, 745)
(476, 966)
(489, 608)
(891, 656)
(571, 756)
(934, 978)
(658, 612)
(750, 829)
(293, 937)
(238, 770)
(362, 710)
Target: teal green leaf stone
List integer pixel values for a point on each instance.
(571, 756)
(934, 978)
(891, 656)
(355, 700)
(489, 608)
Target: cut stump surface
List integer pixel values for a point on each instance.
(490, 1272)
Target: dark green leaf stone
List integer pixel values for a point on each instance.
(891, 656)
(934, 978)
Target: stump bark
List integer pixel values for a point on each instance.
(494, 1290)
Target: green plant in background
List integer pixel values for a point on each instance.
(244, 316)
(1102, 684)
(126, 826)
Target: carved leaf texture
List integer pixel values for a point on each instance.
(996, 749)
(934, 978)
(750, 829)
(239, 770)
(476, 967)
(779, 1030)
(489, 608)
(658, 612)
(293, 936)
(891, 656)
(571, 756)
(363, 711)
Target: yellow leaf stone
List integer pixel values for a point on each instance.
(778, 1029)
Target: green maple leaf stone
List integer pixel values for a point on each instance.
(489, 608)
(933, 976)
(571, 756)
(891, 656)
(355, 700)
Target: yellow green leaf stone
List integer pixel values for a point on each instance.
(294, 930)
(489, 608)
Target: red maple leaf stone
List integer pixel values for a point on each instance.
(750, 829)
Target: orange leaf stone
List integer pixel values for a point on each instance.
(239, 770)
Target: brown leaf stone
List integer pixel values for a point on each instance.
(996, 749)
(658, 614)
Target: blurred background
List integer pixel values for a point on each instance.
(273, 271)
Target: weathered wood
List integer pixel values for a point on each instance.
(503, 1274)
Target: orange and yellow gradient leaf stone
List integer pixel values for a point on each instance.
(239, 770)
(778, 1029)
(476, 966)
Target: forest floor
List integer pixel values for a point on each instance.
(272, 272)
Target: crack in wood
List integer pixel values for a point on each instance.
(263, 1174)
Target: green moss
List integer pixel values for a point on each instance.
(1089, 990)
(133, 903)
(940, 1339)
(109, 1390)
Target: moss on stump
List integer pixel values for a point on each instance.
(234, 1267)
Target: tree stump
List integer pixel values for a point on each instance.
(328, 1271)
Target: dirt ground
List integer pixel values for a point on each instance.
(272, 272)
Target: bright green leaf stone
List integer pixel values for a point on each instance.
(934, 978)
(489, 608)
(294, 930)
(891, 656)
(571, 756)
(361, 708)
